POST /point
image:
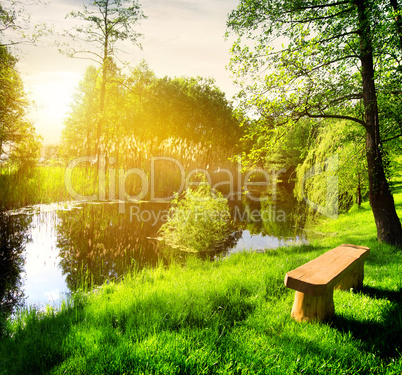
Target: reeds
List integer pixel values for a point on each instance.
(41, 185)
(168, 164)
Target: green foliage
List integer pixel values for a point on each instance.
(197, 222)
(19, 144)
(191, 108)
(325, 60)
(277, 148)
(296, 60)
(141, 108)
(81, 121)
(13, 237)
(41, 185)
(342, 140)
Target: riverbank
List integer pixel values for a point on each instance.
(226, 317)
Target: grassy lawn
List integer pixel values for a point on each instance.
(226, 317)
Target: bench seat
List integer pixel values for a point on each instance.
(314, 282)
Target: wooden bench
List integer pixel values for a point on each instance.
(314, 282)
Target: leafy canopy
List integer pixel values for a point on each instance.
(145, 107)
(19, 144)
(302, 58)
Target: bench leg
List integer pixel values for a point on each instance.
(308, 308)
(354, 279)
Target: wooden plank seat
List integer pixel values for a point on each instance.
(314, 282)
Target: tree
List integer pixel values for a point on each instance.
(343, 139)
(18, 141)
(325, 68)
(108, 22)
(149, 109)
(191, 108)
(81, 122)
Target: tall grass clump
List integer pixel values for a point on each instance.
(199, 221)
(42, 185)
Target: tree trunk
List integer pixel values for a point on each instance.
(99, 128)
(381, 200)
(359, 192)
(382, 203)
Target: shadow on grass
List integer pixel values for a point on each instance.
(396, 187)
(393, 296)
(297, 249)
(37, 346)
(383, 338)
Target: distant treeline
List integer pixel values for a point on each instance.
(144, 116)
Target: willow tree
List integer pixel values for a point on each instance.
(107, 22)
(316, 59)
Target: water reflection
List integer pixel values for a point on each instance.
(280, 218)
(97, 242)
(44, 283)
(13, 237)
(69, 246)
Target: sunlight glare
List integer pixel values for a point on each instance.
(53, 95)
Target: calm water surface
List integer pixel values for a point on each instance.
(55, 249)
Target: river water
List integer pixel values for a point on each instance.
(48, 251)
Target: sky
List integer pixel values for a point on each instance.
(180, 38)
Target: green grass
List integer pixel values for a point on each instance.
(227, 317)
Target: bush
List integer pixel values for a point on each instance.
(200, 221)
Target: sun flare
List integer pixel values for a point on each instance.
(53, 95)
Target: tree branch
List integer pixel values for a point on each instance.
(347, 97)
(74, 52)
(322, 6)
(341, 117)
(335, 61)
(307, 20)
(323, 41)
(392, 138)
